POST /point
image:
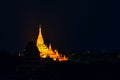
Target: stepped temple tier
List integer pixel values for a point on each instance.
(47, 51)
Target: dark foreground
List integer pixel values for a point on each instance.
(36, 70)
(26, 68)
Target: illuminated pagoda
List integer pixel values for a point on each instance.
(47, 51)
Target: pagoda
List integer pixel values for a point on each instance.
(46, 51)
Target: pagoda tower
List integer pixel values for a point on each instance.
(40, 44)
(47, 51)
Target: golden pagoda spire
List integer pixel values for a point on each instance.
(40, 29)
(40, 38)
(50, 46)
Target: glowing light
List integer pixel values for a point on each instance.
(19, 54)
(47, 51)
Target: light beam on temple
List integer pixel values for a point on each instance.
(47, 51)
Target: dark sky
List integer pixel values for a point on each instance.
(72, 25)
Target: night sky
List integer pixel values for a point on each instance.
(67, 25)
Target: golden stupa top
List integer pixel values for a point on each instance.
(40, 38)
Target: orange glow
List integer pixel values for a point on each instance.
(47, 51)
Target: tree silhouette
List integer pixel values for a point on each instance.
(31, 50)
